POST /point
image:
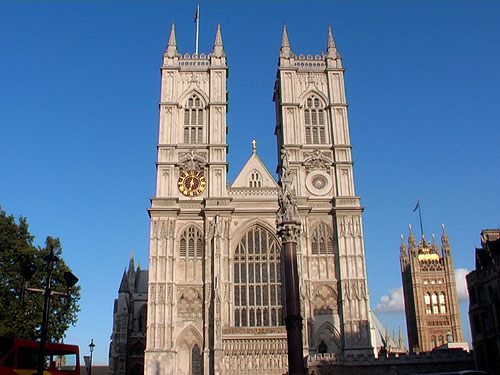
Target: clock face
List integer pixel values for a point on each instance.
(318, 182)
(192, 183)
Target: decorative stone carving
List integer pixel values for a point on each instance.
(317, 160)
(286, 194)
(324, 301)
(189, 305)
(192, 160)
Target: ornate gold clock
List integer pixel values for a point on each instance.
(192, 183)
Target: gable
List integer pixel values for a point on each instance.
(255, 174)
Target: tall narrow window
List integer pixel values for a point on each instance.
(427, 300)
(194, 115)
(315, 121)
(322, 242)
(191, 254)
(257, 280)
(435, 307)
(196, 360)
(255, 179)
(442, 303)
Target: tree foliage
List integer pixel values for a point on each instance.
(21, 313)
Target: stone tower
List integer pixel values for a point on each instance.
(313, 128)
(430, 293)
(215, 288)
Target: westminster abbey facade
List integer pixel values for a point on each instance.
(215, 301)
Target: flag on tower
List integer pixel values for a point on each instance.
(417, 206)
(197, 12)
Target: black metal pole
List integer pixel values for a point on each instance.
(51, 258)
(91, 347)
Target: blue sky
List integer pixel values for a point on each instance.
(79, 88)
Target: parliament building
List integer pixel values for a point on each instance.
(215, 301)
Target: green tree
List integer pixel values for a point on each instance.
(21, 313)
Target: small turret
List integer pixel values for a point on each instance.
(332, 48)
(131, 272)
(403, 253)
(124, 283)
(445, 241)
(218, 45)
(401, 341)
(172, 44)
(435, 247)
(412, 242)
(286, 50)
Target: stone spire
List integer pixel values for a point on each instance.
(435, 247)
(401, 339)
(332, 48)
(124, 283)
(172, 43)
(218, 46)
(412, 242)
(286, 50)
(445, 240)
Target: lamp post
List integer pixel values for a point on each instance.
(51, 260)
(91, 348)
(70, 279)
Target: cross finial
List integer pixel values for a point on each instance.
(254, 146)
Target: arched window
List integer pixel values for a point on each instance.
(255, 179)
(435, 307)
(441, 340)
(141, 319)
(442, 303)
(433, 341)
(321, 242)
(257, 280)
(427, 300)
(194, 118)
(315, 121)
(196, 360)
(190, 254)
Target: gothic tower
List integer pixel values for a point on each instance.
(312, 126)
(430, 293)
(215, 289)
(191, 191)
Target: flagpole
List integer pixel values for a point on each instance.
(420, 217)
(197, 27)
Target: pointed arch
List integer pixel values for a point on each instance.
(245, 226)
(189, 336)
(327, 339)
(302, 98)
(257, 278)
(194, 117)
(189, 92)
(189, 354)
(321, 239)
(324, 301)
(191, 252)
(142, 318)
(315, 118)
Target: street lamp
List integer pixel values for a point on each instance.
(27, 272)
(91, 348)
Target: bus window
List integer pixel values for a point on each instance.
(27, 358)
(64, 361)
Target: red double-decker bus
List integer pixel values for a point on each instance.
(20, 357)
